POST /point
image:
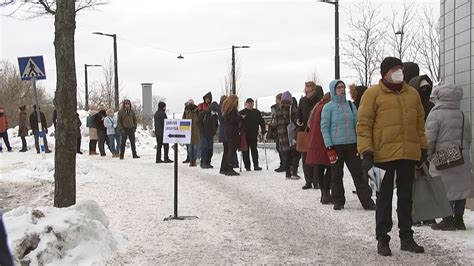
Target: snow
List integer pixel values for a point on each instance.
(257, 217)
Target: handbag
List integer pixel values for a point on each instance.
(291, 128)
(302, 140)
(243, 141)
(429, 198)
(449, 157)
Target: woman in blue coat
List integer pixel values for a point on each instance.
(338, 121)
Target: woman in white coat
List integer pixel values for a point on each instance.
(447, 127)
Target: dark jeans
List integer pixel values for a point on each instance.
(324, 176)
(252, 146)
(4, 135)
(348, 154)
(128, 133)
(311, 174)
(36, 134)
(166, 147)
(102, 141)
(207, 149)
(23, 143)
(405, 170)
(458, 206)
(281, 155)
(230, 149)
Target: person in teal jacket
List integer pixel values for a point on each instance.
(338, 122)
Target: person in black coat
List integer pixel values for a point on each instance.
(160, 116)
(6, 258)
(36, 132)
(251, 120)
(231, 134)
(313, 94)
(207, 124)
(78, 134)
(101, 130)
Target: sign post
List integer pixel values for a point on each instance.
(177, 131)
(32, 68)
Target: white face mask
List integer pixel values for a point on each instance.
(397, 76)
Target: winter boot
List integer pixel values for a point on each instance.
(167, 160)
(447, 224)
(121, 156)
(257, 168)
(192, 163)
(338, 206)
(459, 222)
(411, 246)
(383, 248)
(325, 196)
(288, 174)
(307, 186)
(280, 169)
(295, 174)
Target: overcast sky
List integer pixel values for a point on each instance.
(289, 40)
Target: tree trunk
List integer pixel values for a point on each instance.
(66, 105)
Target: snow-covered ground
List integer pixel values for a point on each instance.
(257, 217)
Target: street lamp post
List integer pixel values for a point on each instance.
(86, 106)
(400, 32)
(234, 87)
(114, 36)
(337, 71)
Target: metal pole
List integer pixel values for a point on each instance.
(38, 117)
(86, 106)
(233, 71)
(116, 74)
(336, 57)
(176, 180)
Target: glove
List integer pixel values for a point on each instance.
(424, 157)
(367, 161)
(332, 154)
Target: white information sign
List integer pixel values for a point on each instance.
(177, 131)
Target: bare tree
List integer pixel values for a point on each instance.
(364, 47)
(226, 85)
(428, 45)
(404, 32)
(156, 100)
(314, 76)
(65, 100)
(103, 92)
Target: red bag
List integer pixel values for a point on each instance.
(243, 142)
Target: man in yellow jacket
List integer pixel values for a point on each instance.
(390, 134)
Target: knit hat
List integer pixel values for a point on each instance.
(388, 63)
(286, 96)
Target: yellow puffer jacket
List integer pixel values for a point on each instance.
(391, 124)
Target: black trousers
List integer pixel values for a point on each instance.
(324, 176)
(23, 143)
(78, 145)
(252, 146)
(102, 140)
(230, 149)
(128, 133)
(4, 135)
(348, 154)
(292, 159)
(92, 145)
(5, 256)
(311, 173)
(405, 170)
(166, 147)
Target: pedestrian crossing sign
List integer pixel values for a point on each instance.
(31, 67)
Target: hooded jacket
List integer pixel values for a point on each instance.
(391, 124)
(338, 119)
(207, 120)
(204, 106)
(126, 119)
(425, 92)
(444, 129)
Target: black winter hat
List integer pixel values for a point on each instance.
(410, 70)
(388, 63)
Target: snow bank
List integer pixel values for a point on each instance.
(42, 169)
(62, 236)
